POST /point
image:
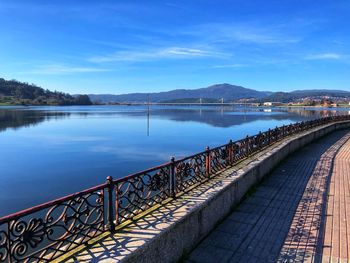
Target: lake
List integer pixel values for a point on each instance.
(48, 152)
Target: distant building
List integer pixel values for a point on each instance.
(270, 103)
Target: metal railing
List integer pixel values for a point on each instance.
(45, 232)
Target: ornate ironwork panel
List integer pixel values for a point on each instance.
(274, 135)
(263, 139)
(44, 235)
(220, 158)
(254, 143)
(4, 243)
(190, 171)
(239, 150)
(139, 192)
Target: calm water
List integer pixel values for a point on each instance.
(48, 152)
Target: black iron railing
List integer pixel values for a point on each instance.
(45, 232)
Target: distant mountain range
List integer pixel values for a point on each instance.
(215, 93)
(13, 92)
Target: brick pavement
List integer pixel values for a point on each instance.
(337, 225)
(297, 214)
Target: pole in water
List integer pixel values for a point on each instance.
(222, 106)
(148, 115)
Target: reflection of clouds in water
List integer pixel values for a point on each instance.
(257, 113)
(213, 116)
(134, 153)
(65, 139)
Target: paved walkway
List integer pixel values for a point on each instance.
(300, 213)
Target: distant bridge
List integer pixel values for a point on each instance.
(193, 103)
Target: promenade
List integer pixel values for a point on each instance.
(299, 213)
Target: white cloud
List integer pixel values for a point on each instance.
(261, 37)
(176, 51)
(242, 33)
(165, 53)
(230, 66)
(325, 56)
(63, 69)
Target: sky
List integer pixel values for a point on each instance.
(157, 45)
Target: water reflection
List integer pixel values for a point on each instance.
(215, 116)
(17, 118)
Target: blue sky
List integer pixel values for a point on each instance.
(145, 46)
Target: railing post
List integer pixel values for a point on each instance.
(230, 152)
(116, 206)
(111, 223)
(260, 140)
(208, 161)
(247, 145)
(283, 134)
(172, 180)
(269, 136)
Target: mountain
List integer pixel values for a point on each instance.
(215, 92)
(13, 92)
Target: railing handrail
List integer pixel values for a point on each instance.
(189, 157)
(118, 180)
(42, 206)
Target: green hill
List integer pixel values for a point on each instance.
(13, 92)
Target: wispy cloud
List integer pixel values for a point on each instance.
(242, 33)
(186, 52)
(325, 56)
(230, 66)
(164, 53)
(251, 36)
(54, 69)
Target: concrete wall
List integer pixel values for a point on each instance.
(181, 237)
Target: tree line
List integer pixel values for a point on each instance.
(13, 92)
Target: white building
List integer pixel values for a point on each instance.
(270, 103)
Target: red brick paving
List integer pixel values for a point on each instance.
(337, 228)
(297, 214)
